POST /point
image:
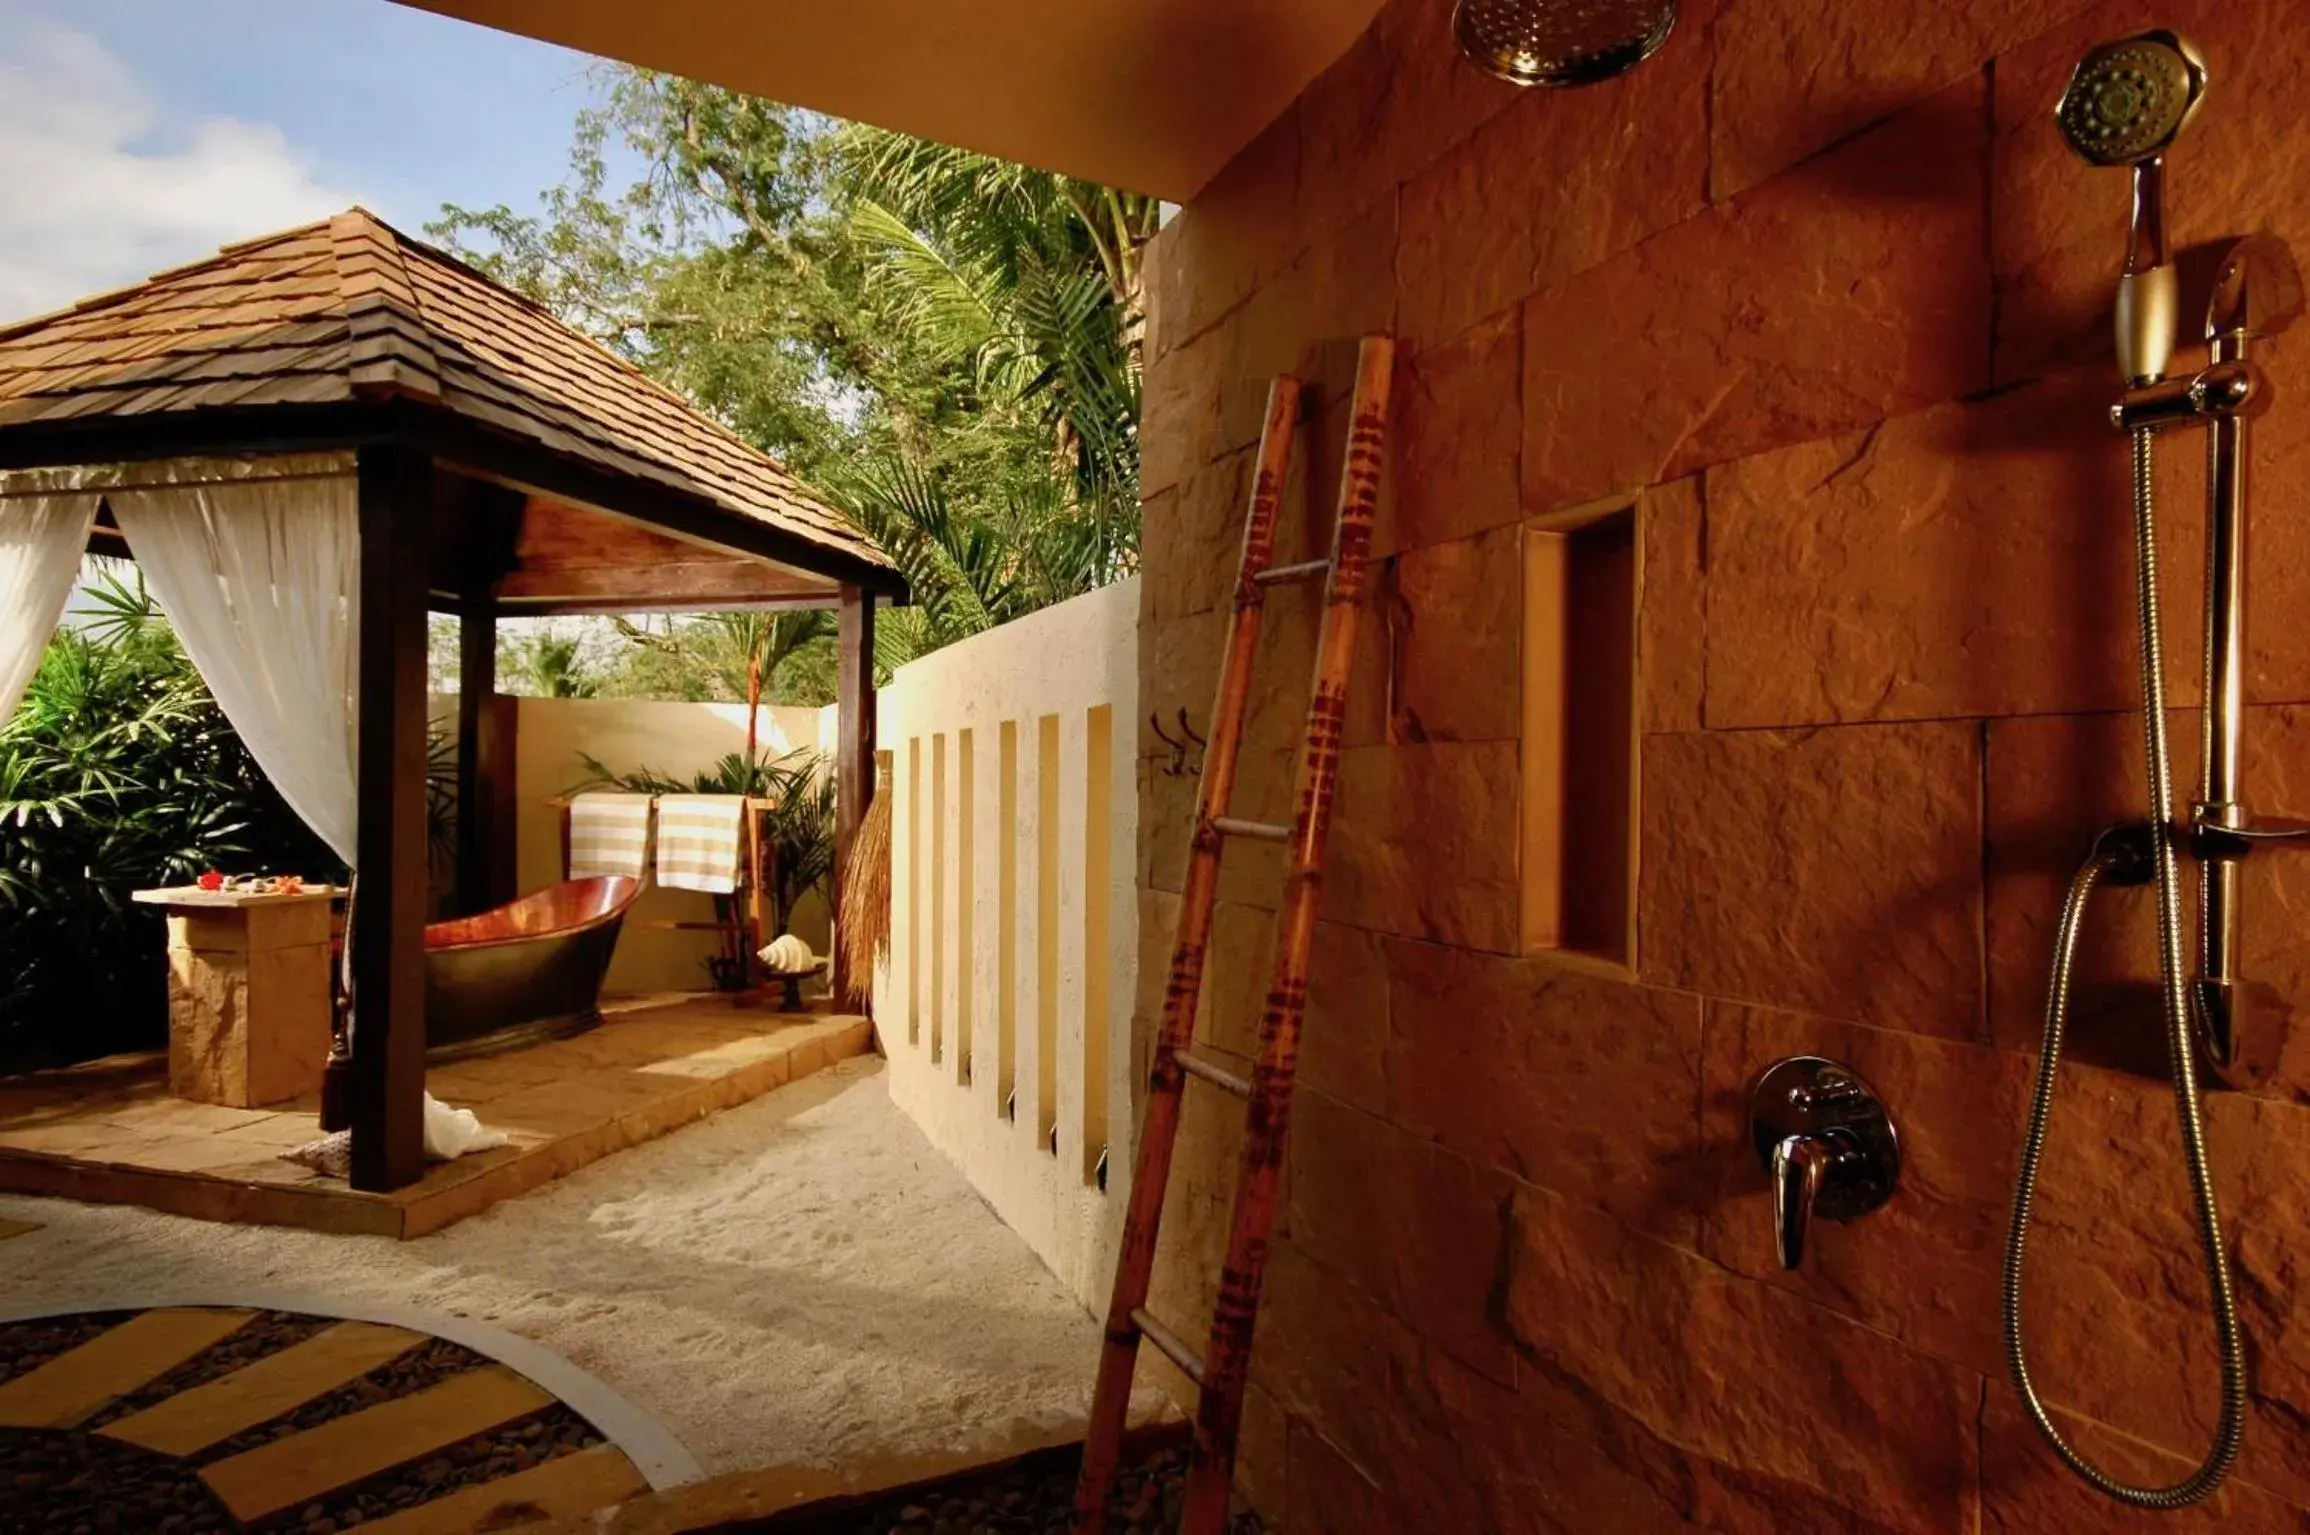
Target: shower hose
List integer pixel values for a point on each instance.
(2111, 854)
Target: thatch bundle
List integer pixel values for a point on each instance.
(862, 926)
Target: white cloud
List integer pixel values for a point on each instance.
(102, 189)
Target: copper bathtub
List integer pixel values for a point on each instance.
(527, 970)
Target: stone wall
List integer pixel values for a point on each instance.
(1820, 286)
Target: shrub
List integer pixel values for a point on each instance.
(118, 773)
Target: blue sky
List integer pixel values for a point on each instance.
(139, 133)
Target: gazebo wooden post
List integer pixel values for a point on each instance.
(388, 934)
(478, 751)
(853, 755)
(486, 521)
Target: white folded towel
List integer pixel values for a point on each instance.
(451, 1133)
(698, 841)
(608, 834)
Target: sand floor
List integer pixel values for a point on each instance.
(801, 1280)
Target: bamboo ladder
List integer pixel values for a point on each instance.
(1220, 1373)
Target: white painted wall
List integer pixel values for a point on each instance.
(674, 738)
(1063, 675)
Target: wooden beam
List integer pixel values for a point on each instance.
(541, 472)
(441, 433)
(853, 756)
(683, 583)
(476, 527)
(645, 602)
(571, 558)
(191, 434)
(388, 936)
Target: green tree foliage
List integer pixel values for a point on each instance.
(709, 658)
(118, 773)
(945, 344)
(546, 666)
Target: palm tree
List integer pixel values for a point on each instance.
(1033, 281)
(549, 666)
(720, 652)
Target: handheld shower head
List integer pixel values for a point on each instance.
(1560, 42)
(2126, 102)
(2129, 99)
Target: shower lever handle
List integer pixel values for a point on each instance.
(1800, 1162)
(1827, 1146)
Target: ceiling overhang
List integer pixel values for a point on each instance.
(1149, 95)
(569, 559)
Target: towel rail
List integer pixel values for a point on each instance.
(744, 920)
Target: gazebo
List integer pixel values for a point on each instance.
(481, 458)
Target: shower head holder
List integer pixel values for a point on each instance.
(2257, 292)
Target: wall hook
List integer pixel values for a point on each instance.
(1200, 744)
(1177, 767)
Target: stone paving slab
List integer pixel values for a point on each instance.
(259, 1392)
(107, 1131)
(80, 1382)
(303, 1467)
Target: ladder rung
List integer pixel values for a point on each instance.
(1218, 1076)
(1168, 1343)
(1262, 831)
(1305, 570)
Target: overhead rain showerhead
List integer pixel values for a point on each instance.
(2129, 99)
(1561, 42)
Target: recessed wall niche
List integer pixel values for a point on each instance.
(1579, 733)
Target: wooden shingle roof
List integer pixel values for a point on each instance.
(351, 309)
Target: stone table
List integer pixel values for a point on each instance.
(248, 992)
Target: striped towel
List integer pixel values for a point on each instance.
(608, 834)
(698, 841)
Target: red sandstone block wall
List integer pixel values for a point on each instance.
(1822, 284)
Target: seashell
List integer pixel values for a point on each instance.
(787, 954)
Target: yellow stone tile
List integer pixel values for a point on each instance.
(79, 1382)
(281, 1130)
(195, 1154)
(259, 1392)
(564, 1487)
(68, 1138)
(293, 1471)
(175, 1115)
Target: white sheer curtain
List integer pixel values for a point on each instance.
(256, 563)
(43, 533)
